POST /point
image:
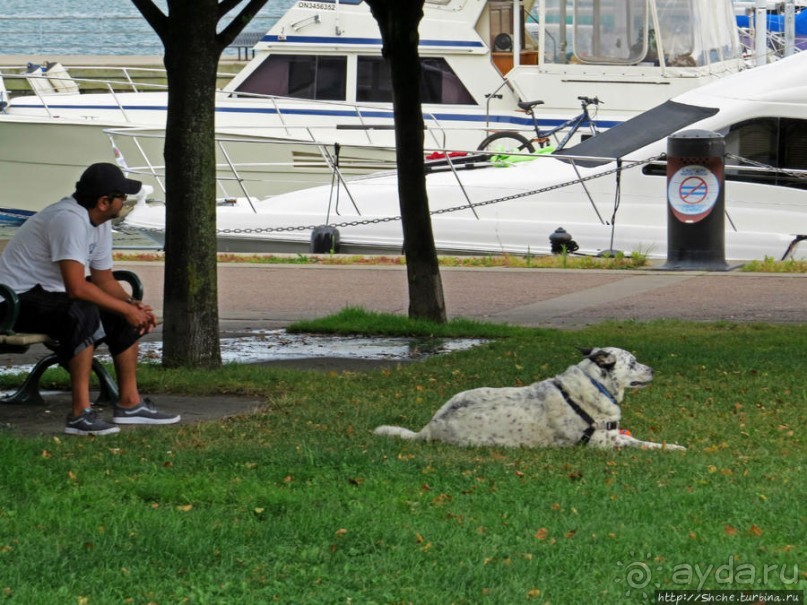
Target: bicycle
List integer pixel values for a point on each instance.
(504, 141)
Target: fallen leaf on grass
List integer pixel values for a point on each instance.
(441, 499)
(755, 530)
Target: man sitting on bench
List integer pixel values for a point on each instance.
(47, 263)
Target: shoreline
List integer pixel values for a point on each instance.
(101, 60)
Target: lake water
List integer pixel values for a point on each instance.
(93, 27)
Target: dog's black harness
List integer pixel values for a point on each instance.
(592, 426)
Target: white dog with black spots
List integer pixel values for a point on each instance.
(581, 406)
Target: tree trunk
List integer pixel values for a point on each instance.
(193, 47)
(398, 21)
(191, 329)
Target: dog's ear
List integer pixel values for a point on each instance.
(601, 357)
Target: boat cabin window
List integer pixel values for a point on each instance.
(300, 76)
(772, 142)
(438, 83)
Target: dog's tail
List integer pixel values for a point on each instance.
(396, 431)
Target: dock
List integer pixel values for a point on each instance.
(105, 67)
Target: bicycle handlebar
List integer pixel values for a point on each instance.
(586, 101)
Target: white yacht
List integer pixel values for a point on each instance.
(318, 79)
(609, 193)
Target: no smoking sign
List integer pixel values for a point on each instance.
(692, 193)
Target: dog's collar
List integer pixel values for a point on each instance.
(592, 425)
(601, 388)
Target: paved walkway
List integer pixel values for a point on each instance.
(253, 295)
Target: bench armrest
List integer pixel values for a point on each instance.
(11, 309)
(130, 278)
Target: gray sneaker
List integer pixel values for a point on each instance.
(89, 424)
(143, 413)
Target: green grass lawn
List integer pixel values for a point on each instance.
(300, 503)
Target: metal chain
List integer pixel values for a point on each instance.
(389, 219)
(799, 175)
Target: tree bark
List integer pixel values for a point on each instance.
(398, 21)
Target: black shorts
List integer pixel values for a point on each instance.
(75, 324)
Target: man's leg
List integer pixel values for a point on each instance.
(76, 326)
(80, 367)
(84, 420)
(122, 341)
(126, 372)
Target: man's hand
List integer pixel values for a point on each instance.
(141, 316)
(106, 292)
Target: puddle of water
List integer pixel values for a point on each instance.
(275, 345)
(257, 346)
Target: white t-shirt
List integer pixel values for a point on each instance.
(62, 231)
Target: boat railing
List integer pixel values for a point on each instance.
(125, 77)
(245, 170)
(362, 113)
(254, 166)
(52, 88)
(52, 85)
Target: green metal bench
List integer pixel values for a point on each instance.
(17, 342)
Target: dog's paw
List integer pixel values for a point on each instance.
(674, 448)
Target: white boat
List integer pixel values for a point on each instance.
(318, 75)
(515, 207)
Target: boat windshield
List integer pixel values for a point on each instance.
(610, 32)
(631, 32)
(639, 131)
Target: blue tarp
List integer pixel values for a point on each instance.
(776, 23)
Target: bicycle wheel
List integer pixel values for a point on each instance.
(506, 142)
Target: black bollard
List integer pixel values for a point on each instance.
(695, 201)
(324, 240)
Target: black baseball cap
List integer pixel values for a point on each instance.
(104, 178)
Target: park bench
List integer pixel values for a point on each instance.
(18, 342)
